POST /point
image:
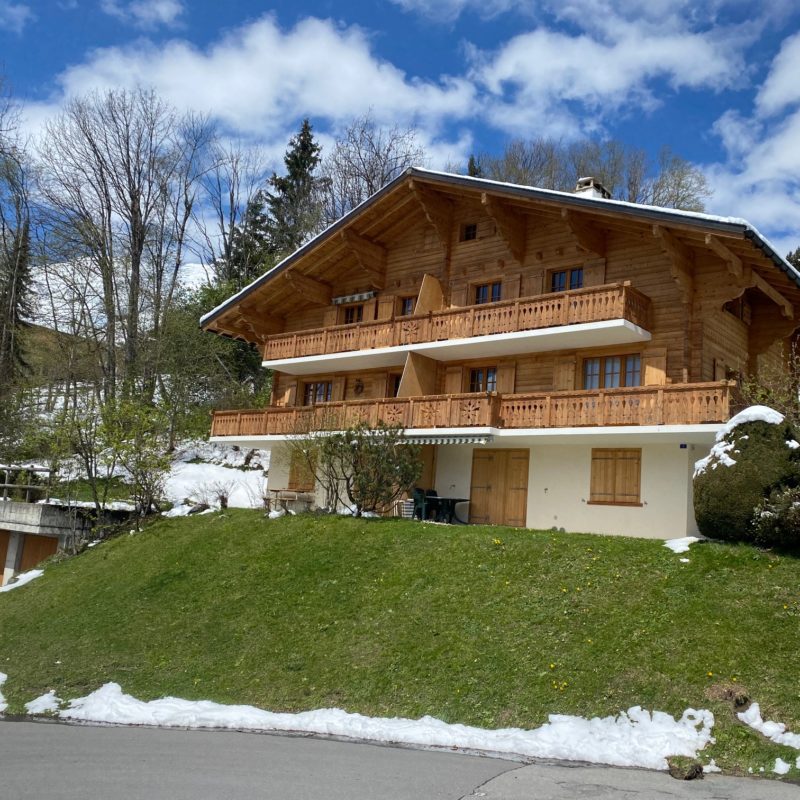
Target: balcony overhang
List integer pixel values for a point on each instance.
(498, 345)
(631, 435)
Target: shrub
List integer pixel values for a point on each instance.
(745, 466)
(776, 522)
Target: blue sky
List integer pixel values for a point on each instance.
(719, 81)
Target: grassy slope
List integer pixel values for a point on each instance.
(486, 626)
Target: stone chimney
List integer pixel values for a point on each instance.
(591, 187)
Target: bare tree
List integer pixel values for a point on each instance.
(363, 160)
(120, 173)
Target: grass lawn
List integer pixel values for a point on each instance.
(487, 626)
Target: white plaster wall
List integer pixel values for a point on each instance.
(558, 489)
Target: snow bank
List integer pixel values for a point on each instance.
(198, 481)
(774, 731)
(3, 704)
(222, 455)
(720, 452)
(681, 545)
(112, 505)
(47, 702)
(781, 767)
(636, 738)
(22, 579)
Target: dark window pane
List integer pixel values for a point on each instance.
(591, 373)
(491, 379)
(469, 232)
(353, 314)
(482, 294)
(558, 281)
(611, 377)
(497, 291)
(407, 306)
(476, 380)
(576, 278)
(633, 371)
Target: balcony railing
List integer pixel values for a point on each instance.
(681, 404)
(595, 304)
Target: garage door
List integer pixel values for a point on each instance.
(36, 549)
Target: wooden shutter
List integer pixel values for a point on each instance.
(331, 317)
(338, 387)
(594, 272)
(564, 373)
(386, 307)
(516, 490)
(301, 478)
(615, 476)
(532, 284)
(453, 380)
(458, 296)
(370, 308)
(511, 287)
(654, 366)
(480, 495)
(506, 372)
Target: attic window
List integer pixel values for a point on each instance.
(469, 232)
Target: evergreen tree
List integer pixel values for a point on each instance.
(474, 169)
(251, 254)
(293, 200)
(794, 258)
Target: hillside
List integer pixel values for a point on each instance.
(487, 626)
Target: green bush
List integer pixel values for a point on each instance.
(726, 495)
(776, 522)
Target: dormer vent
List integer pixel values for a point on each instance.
(591, 187)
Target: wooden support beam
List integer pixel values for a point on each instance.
(371, 257)
(314, 291)
(681, 260)
(438, 211)
(510, 225)
(787, 309)
(589, 237)
(733, 261)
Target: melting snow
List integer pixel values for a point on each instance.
(636, 738)
(719, 453)
(774, 731)
(3, 704)
(711, 767)
(47, 702)
(681, 545)
(781, 767)
(792, 444)
(22, 579)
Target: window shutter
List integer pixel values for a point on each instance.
(452, 380)
(301, 478)
(564, 373)
(506, 373)
(386, 307)
(458, 296)
(654, 366)
(511, 287)
(337, 390)
(616, 476)
(532, 284)
(594, 272)
(331, 317)
(628, 476)
(602, 480)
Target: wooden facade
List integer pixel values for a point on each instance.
(435, 258)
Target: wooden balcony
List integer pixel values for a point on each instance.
(595, 304)
(683, 404)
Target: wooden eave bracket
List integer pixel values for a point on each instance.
(681, 260)
(314, 291)
(510, 225)
(589, 237)
(787, 309)
(371, 257)
(438, 211)
(733, 261)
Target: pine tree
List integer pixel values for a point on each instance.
(474, 169)
(293, 200)
(794, 258)
(251, 253)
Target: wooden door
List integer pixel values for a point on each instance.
(499, 490)
(4, 537)
(36, 549)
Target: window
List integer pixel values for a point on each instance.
(488, 293)
(740, 309)
(407, 306)
(394, 384)
(483, 379)
(317, 392)
(611, 372)
(563, 279)
(469, 232)
(616, 477)
(353, 314)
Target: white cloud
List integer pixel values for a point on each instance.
(449, 10)
(15, 16)
(144, 13)
(258, 77)
(782, 87)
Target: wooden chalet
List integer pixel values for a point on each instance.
(563, 357)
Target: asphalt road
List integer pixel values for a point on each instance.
(62, 762)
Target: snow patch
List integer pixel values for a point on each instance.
(201, 482)
(681, 545)
(774, 731)
(3, 704)
(792, 444)
(22, 579)
(636, 738)
(719, 453)
(47, 702)
(711, 767)
(781, 767)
